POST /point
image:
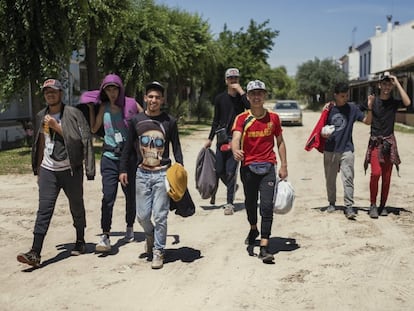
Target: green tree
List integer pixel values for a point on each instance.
(247, 50)
(278, 83)
(155, 42)
(317, 79)
(34, 45)
(97, 22)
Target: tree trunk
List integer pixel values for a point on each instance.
(91, 55)
(36, 98)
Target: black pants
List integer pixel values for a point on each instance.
(50, 183)
(110, 180)
(226, 168)
(259, 187)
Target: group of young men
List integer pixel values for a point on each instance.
(136, 153)
(332, 135)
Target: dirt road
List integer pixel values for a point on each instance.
(323, 261)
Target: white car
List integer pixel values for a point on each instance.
(289, 111)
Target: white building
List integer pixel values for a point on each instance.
(391, 50)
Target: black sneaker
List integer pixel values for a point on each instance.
(349, 212)
(31, 258)
(331, 208)
(383, 211)
(265, 256)
(213, 199)
(373, 211)
(79, 248)
(251, 237)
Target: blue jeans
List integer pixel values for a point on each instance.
(152, 200)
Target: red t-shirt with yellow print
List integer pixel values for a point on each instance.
(258, 136)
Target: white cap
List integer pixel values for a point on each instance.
(232, 72)
(256, 85)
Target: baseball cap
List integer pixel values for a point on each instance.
(154, 85)
(52, 83)
(111, 84)
(256, 85)
(385, 76)
(232, 72)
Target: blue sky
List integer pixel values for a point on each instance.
(308, 28)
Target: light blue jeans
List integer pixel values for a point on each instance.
(152, 200)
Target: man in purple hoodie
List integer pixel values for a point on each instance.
(114, 112)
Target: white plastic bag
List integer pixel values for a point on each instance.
(283, 197)
(328, 130)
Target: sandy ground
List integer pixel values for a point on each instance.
(323, 261)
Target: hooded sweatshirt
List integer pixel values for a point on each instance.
(128, 104)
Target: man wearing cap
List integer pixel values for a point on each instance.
(62, 143)
(382, 152)
(227, 105)
(150, 134)
(254, 134)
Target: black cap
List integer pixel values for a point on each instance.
(154, 85)
(385, 76)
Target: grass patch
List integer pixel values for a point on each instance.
(399, 127)
(16, 161)
(189, 128)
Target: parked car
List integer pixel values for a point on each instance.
(289, 111)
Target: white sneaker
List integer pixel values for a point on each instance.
(129, 234)
(228, 209)
(104, 244)
(157, 259)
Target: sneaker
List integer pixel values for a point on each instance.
(129, 234)
(31, 258)
(80, 248)
(383, 211)
(251, 237)
(265, 256)
(104, 244)
(149, 245)
(331, 208)
(157, 259)
(228, 209)
(349, 212)
(373, 211)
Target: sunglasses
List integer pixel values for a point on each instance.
(146, 140)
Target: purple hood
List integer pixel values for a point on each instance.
(128, 104)
(114, 80)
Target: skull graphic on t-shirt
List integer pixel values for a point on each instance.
(151, 146)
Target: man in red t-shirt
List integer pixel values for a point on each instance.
(254, 133)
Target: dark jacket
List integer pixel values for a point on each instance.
(76, 135)
(185, 207)
(226, 108)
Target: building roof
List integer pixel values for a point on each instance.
(408, 63)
